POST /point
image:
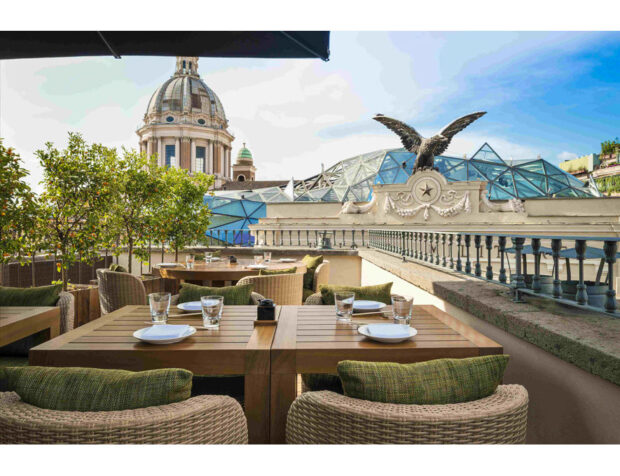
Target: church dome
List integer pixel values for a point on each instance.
(244, 156)
(185, 98)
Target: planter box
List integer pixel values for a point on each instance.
(86, 304)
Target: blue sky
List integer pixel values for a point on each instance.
(553, 94)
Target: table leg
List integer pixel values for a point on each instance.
(283, 394)
(256, 402)
(54, 330)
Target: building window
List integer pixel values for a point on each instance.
(169, 119)
(170, 155)
(200, 159)
(241, 178)
(201, 122)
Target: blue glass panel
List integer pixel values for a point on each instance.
(525, 189)
(234, 208)
(490, 171)
(567, 192)
(574, 181)
(506, 181)
(498, 193)
(389, 175)
(538, 180)
(218, 202)
(487, 153)
(452, 162)
(220, 220)
(552, 169)
(473, 174)
(533, 166)
(554, 186)
(401, 176)
(378, 179)
(251, 207)
(458, 173)
(330, 196)
(442, 164)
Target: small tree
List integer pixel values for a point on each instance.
(18, 206)
(78, 183)
(138, 190)
(183, 217)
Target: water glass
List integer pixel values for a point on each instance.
(208, 256)
(189, 261)
(212, 307)
(402, 306)
(267, 256)
(344, 305)
(258, 259)
(160, 304)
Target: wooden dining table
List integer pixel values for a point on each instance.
(17, 322)
(222, 270)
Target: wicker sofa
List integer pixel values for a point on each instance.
(206, 419)
(326, 417)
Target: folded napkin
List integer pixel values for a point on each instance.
(257, 266)
(388, 330)
(165, 331)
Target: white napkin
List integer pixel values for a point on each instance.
(388, 330)
(257, 266)
(165, 331)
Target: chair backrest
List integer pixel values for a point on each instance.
(283, 289)
(66, 303)
(119, 289)
(321, 276)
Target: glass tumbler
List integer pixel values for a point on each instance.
(212, 307)
(208, 256)
(258, 259)
(267, 256)
(189, 261)
(402, 306)
(344, 305)
(160, 304)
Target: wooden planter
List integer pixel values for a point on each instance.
(86, 303)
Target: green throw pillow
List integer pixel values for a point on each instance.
(271, 272)
(233, 295)
(39, 296)
(118, 268)
(378, 292)
(436, 382)
(316, 382)
(311, 262)
(95, 390)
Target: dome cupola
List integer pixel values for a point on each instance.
(244, 156)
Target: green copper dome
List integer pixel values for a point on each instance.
(244, 155)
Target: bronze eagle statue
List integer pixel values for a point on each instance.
(427, 148)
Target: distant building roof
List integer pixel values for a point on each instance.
(252, 184)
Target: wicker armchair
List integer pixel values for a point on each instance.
(330, 418)
(66, 303)
(283, 289)
(206, 419)
(117, 290)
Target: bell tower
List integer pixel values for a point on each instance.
(243, 169)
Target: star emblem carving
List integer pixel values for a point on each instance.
(426, 190)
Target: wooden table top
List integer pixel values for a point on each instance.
(17, 322)
(222, 270)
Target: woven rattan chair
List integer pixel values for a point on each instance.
(330, 418)
(283, 289)
(213, 419)
(117, 290)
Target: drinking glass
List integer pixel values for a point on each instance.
(267, 256)
(258, 259)
(208, 255)
(344, 306)
(402, 306)
(160, 304)
(189, 261)
(212, 307)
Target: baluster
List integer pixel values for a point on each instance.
(281, 237)
(536, 287)
(363, 244)
(437, 259)
(344, 239)
(582, 295)
(403, 238)
(502, 254)
(488, 241)
(478, 269)
(459, 263)
(273, 237)
(298, 237)
(443, 246)
(610, 248)
(226, 236)
(353, 245)
(517, 243)
(450, 245)
(425, 257)
(467, 261)
(307, 238)
(556, 246)
(415, 245)
(410, 238)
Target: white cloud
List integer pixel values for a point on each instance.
(567, 155)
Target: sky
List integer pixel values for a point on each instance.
(551, 94)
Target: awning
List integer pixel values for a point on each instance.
(221, 44)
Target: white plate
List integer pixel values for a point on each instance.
(389, 340)
(257, 266)
(167, 265)
(190, 306)
(139, 332)
(215, 258)
(287, 260)
(367, 306)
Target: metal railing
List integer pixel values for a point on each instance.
(465, 253)
(313, 237)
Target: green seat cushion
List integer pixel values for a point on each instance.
(379, 292)
(307, 293)
(10, 361)
(233, 295)
(38, 296)
(271, 272)
(85, 390)
(311, 262)
(435, 382)
(118, 268)
(316, 382)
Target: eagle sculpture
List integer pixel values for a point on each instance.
(427, 148)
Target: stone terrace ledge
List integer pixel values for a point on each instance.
(587, 340)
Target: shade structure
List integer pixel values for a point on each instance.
(222, 44)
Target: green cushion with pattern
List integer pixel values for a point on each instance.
(316, 382)
(233, 295)
(271, 272)
(378, 292)
(118, 268)
(307, 293)
(311, 262)
(436, 382)
(38, 296)
(94, 390)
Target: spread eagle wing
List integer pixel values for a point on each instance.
(410, 138)
(455, 127)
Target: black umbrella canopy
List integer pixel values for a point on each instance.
(222, 44)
